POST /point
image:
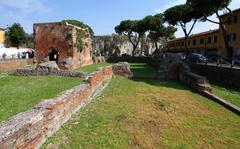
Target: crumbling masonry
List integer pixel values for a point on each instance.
(68, 45)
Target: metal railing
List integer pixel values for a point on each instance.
(232, 63)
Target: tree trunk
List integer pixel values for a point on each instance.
(156, 45)
(186, 45)
(142, 45)
(134, 50)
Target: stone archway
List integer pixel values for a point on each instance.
(53, 54)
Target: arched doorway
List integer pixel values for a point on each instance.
(53, 54)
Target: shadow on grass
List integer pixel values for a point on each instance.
(226, 86)
(143, 72)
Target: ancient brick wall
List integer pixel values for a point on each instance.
(62, 37)
(12, 65)
(178, 70)
(223, 75)
(52, 35)
(30, 129)
(36, 72)
(118, 45)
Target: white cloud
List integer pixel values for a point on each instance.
(24, 6)
(21, 11)
(157, 10)
(174, 3)
(168, 5)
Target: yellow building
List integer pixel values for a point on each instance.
(2, 36)
(212, 41)
(233, 32)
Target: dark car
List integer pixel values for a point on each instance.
(196, 58)
(237, 57)
(213, 57)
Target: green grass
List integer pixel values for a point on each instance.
(139, 69)
(143, 70)
(93, 67)
(18, 94)
(227, 93)
(149, 114)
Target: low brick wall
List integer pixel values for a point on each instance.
(122, 69)
(223, 75)
(12, 65)
(35, 72)
(178, 70)
(30, 129)
(195, 82)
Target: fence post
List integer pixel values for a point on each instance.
(233, 63)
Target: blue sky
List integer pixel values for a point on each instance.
(101, 15)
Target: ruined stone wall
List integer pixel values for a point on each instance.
(30, 129)
(84, 57)
(224, 75)
(52, 35)
(178, 70)
(12, 65)
(63, 37)
(37, 72)
(119, 45)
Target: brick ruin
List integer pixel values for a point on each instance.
(70, 46)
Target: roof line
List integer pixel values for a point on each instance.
(196, 35)
(233, 11)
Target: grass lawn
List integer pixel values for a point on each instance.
(18, 94)
(227, 93)
(149, 114)
(143, 70)
(93, 67)
(139, 69)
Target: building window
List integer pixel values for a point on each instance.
(201, 41)
(234, 37)
(215, 39)
(173, 45)
(232, 20)
(194, 42)
(227, 37)
(182, 43)
(209, 39)
(231, 37)
(188, 42)
(235, 19)
(229, 21)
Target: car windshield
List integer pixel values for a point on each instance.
(197, 55)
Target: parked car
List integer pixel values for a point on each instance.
(237, 57)
(196, 58)
(182, 56)
(213, 56)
